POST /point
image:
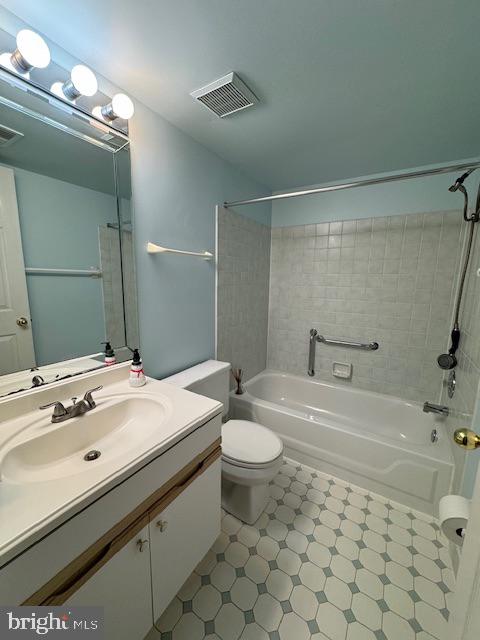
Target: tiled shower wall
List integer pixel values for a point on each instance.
(385, 279)
(243, 250)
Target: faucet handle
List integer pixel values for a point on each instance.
(88, 396)
(58, 411)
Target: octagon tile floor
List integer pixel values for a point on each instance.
(325, 561)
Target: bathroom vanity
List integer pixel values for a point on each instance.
(123, 530)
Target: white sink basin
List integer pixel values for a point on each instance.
(117, 427)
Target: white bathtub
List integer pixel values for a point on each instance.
(378, 442)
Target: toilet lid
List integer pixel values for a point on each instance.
(250, 442)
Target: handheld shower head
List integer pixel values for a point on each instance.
(448, 360)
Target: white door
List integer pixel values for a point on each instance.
(16, 342)
(123, 587)
(464, 622)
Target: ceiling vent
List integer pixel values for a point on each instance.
(225, 96)
(8, 136)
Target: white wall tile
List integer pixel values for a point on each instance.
(243, 289)
(384, 279)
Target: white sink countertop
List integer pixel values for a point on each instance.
(44, 479)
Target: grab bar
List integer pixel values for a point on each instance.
(316, 337)
(311, 352)
(36, 271)
(366, 346)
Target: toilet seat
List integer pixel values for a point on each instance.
(250, 445)
(247, 465)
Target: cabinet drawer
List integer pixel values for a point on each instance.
(182, 533)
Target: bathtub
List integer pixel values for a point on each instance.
(375, 441)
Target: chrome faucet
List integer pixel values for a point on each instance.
(62, 413)
(439, 409)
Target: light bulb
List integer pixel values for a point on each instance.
(56, 88)
(97, 112)
(32, 51)
(82, 83)
(123, 106)
(6, 63)
(120, 107)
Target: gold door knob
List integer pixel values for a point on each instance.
(22, 322)
(466, 439)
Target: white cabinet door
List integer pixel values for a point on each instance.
(182, 534)
(16, 342)
(122, 586)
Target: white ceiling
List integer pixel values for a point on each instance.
(346, 88)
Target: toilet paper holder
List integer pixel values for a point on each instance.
(454, 513)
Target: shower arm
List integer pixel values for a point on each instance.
(458, 186)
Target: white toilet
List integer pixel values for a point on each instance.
(251, 453)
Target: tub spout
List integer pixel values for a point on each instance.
(439, 409)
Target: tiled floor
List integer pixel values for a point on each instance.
(327, 561)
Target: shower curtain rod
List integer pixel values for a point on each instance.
(358, 183)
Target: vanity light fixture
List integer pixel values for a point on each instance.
(120, 107)
(82, 82)
(32, 51)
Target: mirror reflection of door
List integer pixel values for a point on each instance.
(16, 343)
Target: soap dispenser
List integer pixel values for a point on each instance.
(109, 354)
(137, 375)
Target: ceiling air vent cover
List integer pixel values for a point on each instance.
(225, 95)
(8, 136)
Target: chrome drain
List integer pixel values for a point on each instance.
(92, 455)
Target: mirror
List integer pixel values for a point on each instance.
(67, 277)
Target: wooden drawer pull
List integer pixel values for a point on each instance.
(199, 467)
(58, 595)
(97, 561)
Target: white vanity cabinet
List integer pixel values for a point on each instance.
(122, 587)
(181, 534)
(131, 550)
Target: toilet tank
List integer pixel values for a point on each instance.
(210, 378)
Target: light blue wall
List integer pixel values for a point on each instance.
(59, 224)
(409, 196)
(176, 185)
